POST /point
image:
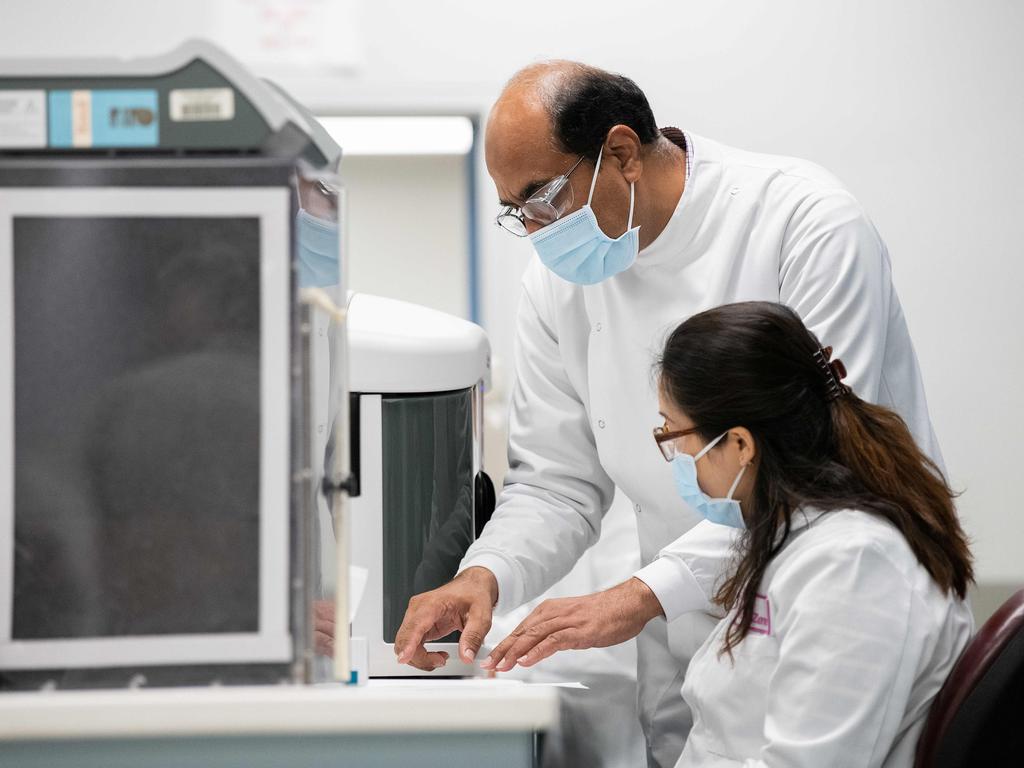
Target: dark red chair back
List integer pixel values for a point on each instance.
(978, 717)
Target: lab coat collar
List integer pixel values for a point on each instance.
(700, 190)
(800, 521)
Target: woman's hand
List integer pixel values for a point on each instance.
(595, 621)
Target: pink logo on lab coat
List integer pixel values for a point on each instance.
(762, 621)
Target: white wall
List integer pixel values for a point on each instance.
(916, 105)
(408, 230)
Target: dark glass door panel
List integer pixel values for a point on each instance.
(428, 496)
(137, 426)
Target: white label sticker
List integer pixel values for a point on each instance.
(22, 119)
(202, 104)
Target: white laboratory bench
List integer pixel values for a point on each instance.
(420, 724)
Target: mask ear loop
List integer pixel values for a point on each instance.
(736, 482)
(709, 446)
(593, 179)
(593, 183)
(629, 223)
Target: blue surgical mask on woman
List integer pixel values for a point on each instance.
(576, 249)
(316, 243)
(722, 511)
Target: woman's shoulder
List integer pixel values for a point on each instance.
(855, 526)
(851, 557)
(847, 539)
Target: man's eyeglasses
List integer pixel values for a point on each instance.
(544, 207)
(666, 440)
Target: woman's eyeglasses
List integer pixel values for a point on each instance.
(666, 440)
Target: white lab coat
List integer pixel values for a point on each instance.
(747, 227)
(851, 641)
(596, 727)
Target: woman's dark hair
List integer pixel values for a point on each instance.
(754, 365)
(590, 103)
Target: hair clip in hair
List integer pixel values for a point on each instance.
(834, 372)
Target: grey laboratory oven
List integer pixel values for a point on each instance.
(159, 483)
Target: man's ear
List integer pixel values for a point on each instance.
(623, 147)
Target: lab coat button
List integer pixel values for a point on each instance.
(636, 508)
(600, 423)
(597, 327)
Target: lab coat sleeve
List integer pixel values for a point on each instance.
(850, 643)
(834, 272)
(556, 491)
(687, 573)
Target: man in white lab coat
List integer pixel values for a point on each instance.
(679, 224)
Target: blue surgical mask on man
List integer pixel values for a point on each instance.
(576, 249)
(316, 244)
(722, 511)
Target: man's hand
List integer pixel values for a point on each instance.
(595, 621)
(465, 603)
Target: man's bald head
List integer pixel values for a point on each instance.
(571, 105)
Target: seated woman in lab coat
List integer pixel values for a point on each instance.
(845, 601)
(844, 593)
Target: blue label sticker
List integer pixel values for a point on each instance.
(129, 118)
(60, 118)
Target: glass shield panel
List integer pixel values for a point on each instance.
(317, 266)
